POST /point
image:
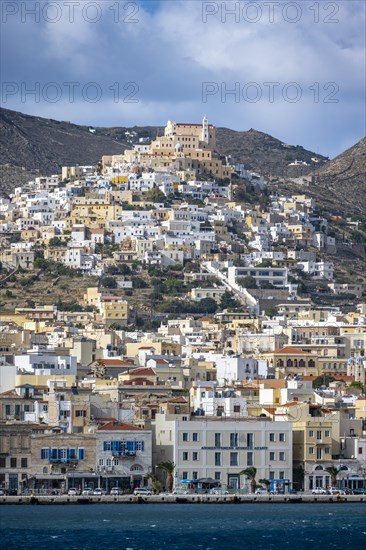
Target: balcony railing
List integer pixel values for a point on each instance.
(123, 453)
(63, 460)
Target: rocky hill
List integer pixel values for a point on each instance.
(32, 145)
(344, 179)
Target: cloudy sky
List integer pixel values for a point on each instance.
(295, 70)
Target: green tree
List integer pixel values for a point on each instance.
(138, 282)
(251, 473)
(108, 282)
(266, 483)
(228, 300)
(207, 305)
(155, 483)
(333, 471)
(247, 282)
(168, 467)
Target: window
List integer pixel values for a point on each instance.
(185, 456)
(44, 454)
(327, 450)
(282, 456)
(311, 450)
(272, 437)
(250, 459)
(7, 410)
(311, 433)
(360, 450)
(194, 455)
(13, 462)
(109, 462)
(81, 454)
(236, 408)
(115, 462)
(80, 413)
(217, 476)
(282, 438)
(250, 440)
(217, 459)
(234, 440)
(217, 440)
(24, 462)
(327, 433)
(319, 453)
(233, 459)
(195, 436)
(195, 475)
(185, 436)
(184, 475)
(319, 434)
(101, 462)
(271, 456)
(271, 475)
(282, 475)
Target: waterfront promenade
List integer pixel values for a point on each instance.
(181, 499)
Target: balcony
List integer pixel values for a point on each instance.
(71, 461)
(123, 454)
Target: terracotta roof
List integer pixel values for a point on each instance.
(161, 361)
(119, 426)
(115, 363)
(146, 347)
(145, 371)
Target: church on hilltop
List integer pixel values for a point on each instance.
(186, 149)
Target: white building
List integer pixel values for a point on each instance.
(217, 449)
(37, 361)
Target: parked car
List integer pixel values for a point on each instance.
(1, 493)
(142, 492)
(360, 491)
(319, 491)
(98, 492)
(115, 491)
(87, 492)
(261, 491)
(73, 492)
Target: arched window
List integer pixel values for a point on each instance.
(289, 363)
(301, 363)
(295, 363)
(136, 468)
(319, 468)
(311, 363)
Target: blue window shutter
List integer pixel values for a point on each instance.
(67, 454)
(81, 454)
(142, 446)
(104, 445)
(49, 454)
(59, 454)
(129, 445)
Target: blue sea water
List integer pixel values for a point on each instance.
(184, 526)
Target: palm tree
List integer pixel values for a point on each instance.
(333, 471)
(250, 472)
(155, 483)
(168, 467)
(265, 482)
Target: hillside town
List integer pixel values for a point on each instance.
(169, 323)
